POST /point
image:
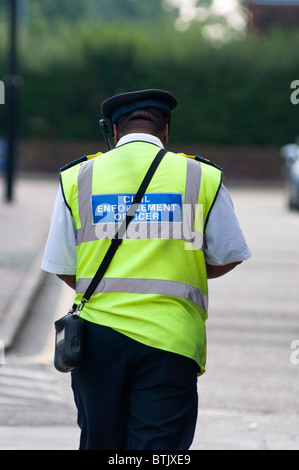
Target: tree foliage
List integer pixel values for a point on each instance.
(53, 12)
(234, 93)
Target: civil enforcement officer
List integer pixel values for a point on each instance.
(145, 341)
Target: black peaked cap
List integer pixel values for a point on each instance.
(119, 105)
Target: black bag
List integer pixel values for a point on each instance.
(69, 339)
(69, 342)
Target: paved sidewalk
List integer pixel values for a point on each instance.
(216, 430)
(248, 398)
(24, 227)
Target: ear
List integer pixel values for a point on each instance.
(116, 133)
(166, 133)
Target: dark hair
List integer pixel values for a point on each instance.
(146, 120)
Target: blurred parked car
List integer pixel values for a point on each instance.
(290, 154)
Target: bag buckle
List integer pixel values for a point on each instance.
(116, 241)
(81, 306)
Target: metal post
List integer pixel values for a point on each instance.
(11, 103)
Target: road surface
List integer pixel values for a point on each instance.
(248, 398)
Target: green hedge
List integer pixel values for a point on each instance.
(237, 93)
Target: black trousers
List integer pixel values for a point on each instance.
(133, 397)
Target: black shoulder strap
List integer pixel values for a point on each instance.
(116, 242)
(208, 162)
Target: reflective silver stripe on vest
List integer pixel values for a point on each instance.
(147, 286)
(84, 195)
(181, 231)
(193, 182)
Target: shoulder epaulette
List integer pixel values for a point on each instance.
(75, 162)
(208, 162)
(202, 160)
(85, 158)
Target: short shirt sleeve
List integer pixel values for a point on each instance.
(224, 242)
(60, 256)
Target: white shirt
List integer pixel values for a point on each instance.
(224, 241)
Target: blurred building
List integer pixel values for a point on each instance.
(268, 14)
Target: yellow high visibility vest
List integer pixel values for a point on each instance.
(155, 289)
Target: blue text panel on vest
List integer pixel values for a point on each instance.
(154, 207)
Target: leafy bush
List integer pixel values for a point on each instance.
(237, 93)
